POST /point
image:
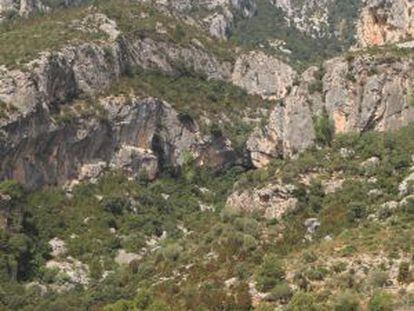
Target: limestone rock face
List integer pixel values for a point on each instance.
(365, 93)
(273, 201)
(137, 136)
(263, 75)
(385, 21)
(219, 24)
(368, 93)
(215, 16)
(45, 140)
(289, 131)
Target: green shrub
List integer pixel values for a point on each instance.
(265, 307)
(378, 278)
(12, 188)
(48, 275)
(309, 257)
(316, 273)
(228, 214)
(356, 211)
(316, 196)
(302, 301)
(346, 301)
(241, 271)
(381, 301)
(270, 273)
(247, 225)
(404, 273)
(216, 131)
(281, 292)
(339, 267)
(315, 86)
(249, 243)
(120, 305)
(324, 129)
(179, 33)
(172, 252)
(115, 205)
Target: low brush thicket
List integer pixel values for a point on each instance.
(206, 260)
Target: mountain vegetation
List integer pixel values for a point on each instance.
(206, 155)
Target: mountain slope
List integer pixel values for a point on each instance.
(206, 155)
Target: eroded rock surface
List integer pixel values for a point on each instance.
(264, 75)
(359, 94)
(135, 135)
(385, 21)
(273, 201)
(48, 136)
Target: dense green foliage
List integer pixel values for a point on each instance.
(324, 129)
(189, 267)
(23, 40)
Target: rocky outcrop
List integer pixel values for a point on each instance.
(125, 258)
(134, 135)
(264, 75)
(360, 94)
(215, 16)
(273, 201)
(289, 130)
(385, 21)
(369, 93)
(71, 270)
(49, 137)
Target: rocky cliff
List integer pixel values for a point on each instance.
(50, 135)
(264, 75)
(58, 122)
(216, 16)
(359, 94)
(136, 135)
(383, 22)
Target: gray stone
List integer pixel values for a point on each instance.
(264, 75)
(312, 224)
(273, 201)
(385, 21)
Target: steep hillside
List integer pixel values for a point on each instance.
(206, 155)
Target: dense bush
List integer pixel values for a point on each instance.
(270, 273)
(281, 292)
(378, 279)
(404, 273)
(324, 129)
(303, 301)
(381, 301)
(347, 301)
